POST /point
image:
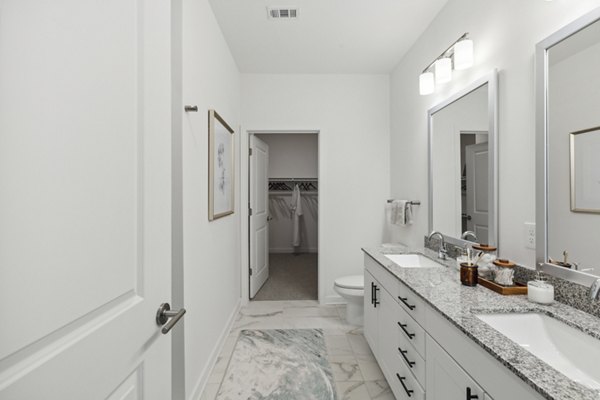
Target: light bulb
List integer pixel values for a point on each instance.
(463, 54)
(443, 70)
(426, 83)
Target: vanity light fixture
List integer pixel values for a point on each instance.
(463, 54)
(459, 55)
(443, 70)
(426, 83)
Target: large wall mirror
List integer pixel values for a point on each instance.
(568, 151)
(463, 164)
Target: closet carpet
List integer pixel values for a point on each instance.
(291, 277)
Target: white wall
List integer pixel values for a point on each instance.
(293, 156)
(211, 256)
(505, 34)
(352, 114)
(574, 99)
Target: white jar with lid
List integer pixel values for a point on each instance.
(540, 291)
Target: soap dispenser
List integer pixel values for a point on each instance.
(540, 291)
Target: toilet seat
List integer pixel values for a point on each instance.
(353, 282)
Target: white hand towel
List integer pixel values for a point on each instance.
(408, 213)
(297, 212)
(401, 212)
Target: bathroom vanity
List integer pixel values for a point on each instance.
(423, 327)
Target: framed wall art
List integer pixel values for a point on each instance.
(221, 176)
(585, 171)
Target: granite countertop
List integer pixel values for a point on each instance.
(442, 290)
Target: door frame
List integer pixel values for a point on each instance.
(245, 201)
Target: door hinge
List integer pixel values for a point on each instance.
(250, 152)
(250, 271)
(249, 210)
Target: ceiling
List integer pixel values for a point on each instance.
(329, 36)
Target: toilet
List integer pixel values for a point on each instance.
(352, 289)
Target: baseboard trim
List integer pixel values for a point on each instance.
(205, 375)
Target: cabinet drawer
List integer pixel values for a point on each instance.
(381, 274)
(411, 331)
(403, 383)
(410, 302)
(413, 360)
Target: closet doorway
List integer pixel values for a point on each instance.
(284, 203)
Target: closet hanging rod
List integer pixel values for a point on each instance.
(295, 179)
(286, 193)
(412, 202)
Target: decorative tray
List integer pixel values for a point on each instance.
(517, 288)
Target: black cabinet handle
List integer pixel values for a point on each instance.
(403, 326)
(404, 300)
(471, 396)
(403, 352)
(372, 293)
(401, 379)
(376, 301)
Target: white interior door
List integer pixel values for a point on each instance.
(85, 192)
(259, 204)
(476, 157)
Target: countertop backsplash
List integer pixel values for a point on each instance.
(434, 244)
(569, 293)
(566, 292)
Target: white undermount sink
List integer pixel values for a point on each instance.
(568, 350)
(412, 261)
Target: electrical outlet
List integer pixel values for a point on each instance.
(529, 234)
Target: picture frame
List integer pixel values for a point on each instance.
(585, 170)
(221, 163)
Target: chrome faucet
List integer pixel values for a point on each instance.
(595, 290)
(442, 252)
(467, 234)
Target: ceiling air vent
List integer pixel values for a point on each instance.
(282, 12)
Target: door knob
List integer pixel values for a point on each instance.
(163, 315)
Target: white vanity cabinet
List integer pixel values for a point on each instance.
(446, 379)
(371, 313)
(422, 355)
(396, 339)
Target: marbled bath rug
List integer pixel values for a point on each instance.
(279, 364)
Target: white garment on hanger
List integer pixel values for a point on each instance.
(297, 212)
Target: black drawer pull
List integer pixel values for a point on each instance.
(403, 326)
(376, 301)
(372, 293)
(404, 300)
(401, 379)
(403, 352)
(471, 396)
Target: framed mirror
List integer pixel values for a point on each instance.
(463, 166)
(568, 151)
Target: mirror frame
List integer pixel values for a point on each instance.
(541, 202)
(491, 79)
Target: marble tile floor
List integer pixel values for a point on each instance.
(356, 373)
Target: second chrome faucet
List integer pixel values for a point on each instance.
(442, 251)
